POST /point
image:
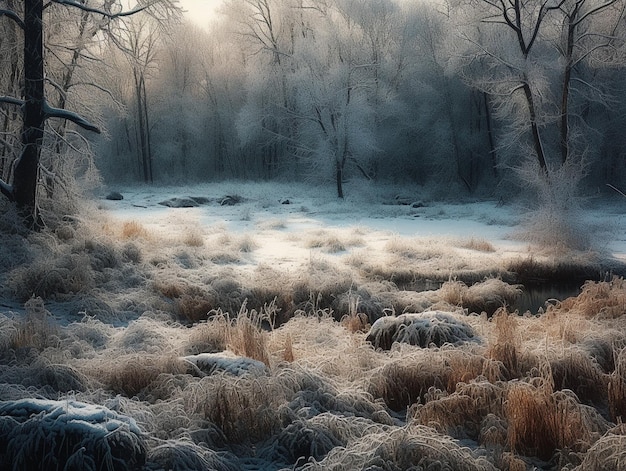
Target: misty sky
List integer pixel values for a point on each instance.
(200, 11)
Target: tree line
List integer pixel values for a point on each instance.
(472, 94)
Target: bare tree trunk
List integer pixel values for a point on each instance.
(492, 146)
(339, 177)
(27, 166)
(534, 126)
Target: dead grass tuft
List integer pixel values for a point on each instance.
(541, 421)
(506, 346)
(486, 296)
(607, 453)
(131, 375)
(606, 300)
(617, 388)
(245, 409)
(193, 237)
(246, 337)
(408, 380)
(358, 322)
(469, 412)
(58, 278)
(37, 329)
(210, 336)
(134, 230)
(479, 245)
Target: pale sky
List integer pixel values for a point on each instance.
(200, 11)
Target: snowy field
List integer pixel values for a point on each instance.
(273, 327)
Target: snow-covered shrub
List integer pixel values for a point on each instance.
(607, 453)
(555, 220)
(422, 329)
(415, 447)
(314, 437)
(204, 364)
(68, 435)
(186, 456)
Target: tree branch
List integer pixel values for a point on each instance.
(11, 101)
(81, 6)
(7, 190)
(13, 16)
(50, 112)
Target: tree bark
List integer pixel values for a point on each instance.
(534, 126)
(27, 166)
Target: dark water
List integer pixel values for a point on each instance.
(538, 296)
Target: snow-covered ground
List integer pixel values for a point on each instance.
(235, 336)
(287, 226)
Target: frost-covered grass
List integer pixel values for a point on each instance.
(197, 338)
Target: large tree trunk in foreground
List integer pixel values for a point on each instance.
(27, 166)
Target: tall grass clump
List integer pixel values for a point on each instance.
(37, 329)
(247, 338)
(505, 348)
(542, 421)
(133, 230)
(617, 388)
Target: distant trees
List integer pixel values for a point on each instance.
(336, 90)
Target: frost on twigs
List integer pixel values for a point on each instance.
(421, 329)
(68, 435)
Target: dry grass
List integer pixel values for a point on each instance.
(505, 348)
(599, 299)
(408, 380)
(133, 374)
(525, 389)
(479, 245)
(487, 296)
(193, 237)
(245, 409)
(617, 389)
(414, 249)
(133, 230)
(541, 421)
(246, 337)
(37, 329)
(607, 453)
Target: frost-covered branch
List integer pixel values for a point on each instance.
(50, 112)
(13, 16)
(82, 6)
(6, 190)
(11, 100)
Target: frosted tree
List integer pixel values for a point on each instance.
(334, 87)
(222, 77)
(268, 31)
(532, 54)
(517, 40)
(21, 187)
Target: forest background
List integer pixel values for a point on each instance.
(460, 97)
